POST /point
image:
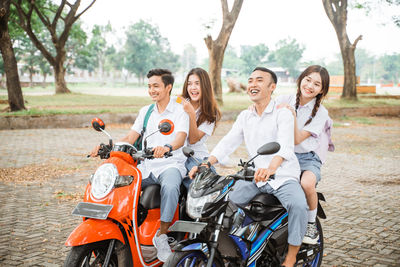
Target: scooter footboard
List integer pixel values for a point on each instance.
(93, 230)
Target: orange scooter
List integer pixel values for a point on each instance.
(120, 220)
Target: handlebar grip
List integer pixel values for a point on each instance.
(202, 169)
(168, 154)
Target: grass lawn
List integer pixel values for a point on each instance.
(82, 101)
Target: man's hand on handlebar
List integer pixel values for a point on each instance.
(159, 151)
(200, 168)
(193, 172)
(95, 151)
(262, 175)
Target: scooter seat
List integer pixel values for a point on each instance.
(151, 197)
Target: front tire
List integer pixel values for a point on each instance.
(94, 254)
(195, 258)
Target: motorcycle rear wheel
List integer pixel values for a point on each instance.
(193, 258)
(93, 254)
(317, 260)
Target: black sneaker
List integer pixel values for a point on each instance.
(311, 237)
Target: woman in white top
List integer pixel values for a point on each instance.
(199, 103)
(310, 120)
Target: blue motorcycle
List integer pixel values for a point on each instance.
(225, 234)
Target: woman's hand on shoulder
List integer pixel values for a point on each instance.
(289, 107)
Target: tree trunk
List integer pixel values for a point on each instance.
(44, 80)
(350, 79)
(336, 11)
(59, 73)
(215, 68)
(216, 49)
(15, 97)
(59, 79)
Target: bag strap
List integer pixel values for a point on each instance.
(146, 118)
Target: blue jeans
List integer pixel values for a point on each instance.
(170, 181)
(292, 197)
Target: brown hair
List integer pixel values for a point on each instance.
(324, 84)
(208, 105)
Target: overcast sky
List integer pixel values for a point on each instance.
(260, 21)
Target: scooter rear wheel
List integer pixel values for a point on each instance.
(94, 254)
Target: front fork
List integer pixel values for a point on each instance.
(214, 239)
(109, 252)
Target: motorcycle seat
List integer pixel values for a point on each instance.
(264, 207)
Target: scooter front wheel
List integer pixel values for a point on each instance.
(94, 254)
(193, 258)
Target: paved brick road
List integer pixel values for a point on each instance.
(361, 182)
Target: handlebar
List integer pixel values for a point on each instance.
(104, 153)
(148, 154)
(250, 178)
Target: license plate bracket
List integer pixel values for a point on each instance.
(187, 227)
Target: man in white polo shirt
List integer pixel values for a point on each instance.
(262, 124)
(167, 172)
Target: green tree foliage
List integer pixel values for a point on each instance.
(252, 56)
(391, 66)
(145, 49)
(58, 20)
(232, 60)
(189, 57)
(288, 55)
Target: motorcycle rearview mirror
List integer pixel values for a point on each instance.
(266, 149)
(188, 152)
(269, 148)
(98, 124)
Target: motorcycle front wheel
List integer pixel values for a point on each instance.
(94, 254)
(193, 258)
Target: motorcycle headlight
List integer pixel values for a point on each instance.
(194, 206)
(103, 180)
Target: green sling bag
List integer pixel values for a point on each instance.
(139, 141)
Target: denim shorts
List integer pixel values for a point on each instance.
(310, 162)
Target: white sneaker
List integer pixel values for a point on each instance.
(161, 244)
(312, 235)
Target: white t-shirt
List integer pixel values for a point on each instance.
(274, 125)
(200, 148)
(315, 127)
(180, 119)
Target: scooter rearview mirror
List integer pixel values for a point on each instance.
(269, 148)
(166, 127)
(98, 124)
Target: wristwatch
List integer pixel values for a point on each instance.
(169, 146)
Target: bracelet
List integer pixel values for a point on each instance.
(169, 146)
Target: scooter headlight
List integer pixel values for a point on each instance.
(103, 180)
(195, 206)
